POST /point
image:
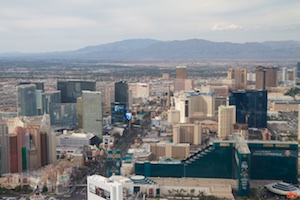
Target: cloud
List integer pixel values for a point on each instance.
(55, 22)
(3, 29)
(71, 24)
(224, 27)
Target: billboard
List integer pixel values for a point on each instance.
(119, 108)
(113, 162)
(104, 194)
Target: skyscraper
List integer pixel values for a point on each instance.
(284, 74)
(239, 75)
(181, 83)
(48, 98)
(26, 100)
(298, 123)
(18, 150)
(266, 77)
(298, 74)
(64, 114)
(251, 107)
(71, 90)
(35, 157)
(39, 91)
(4, 149)
(226, 120)
(92, 112)
(121, 92)
(181, 72)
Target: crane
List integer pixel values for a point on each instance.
(247, 115)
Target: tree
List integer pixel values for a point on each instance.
(45, 189)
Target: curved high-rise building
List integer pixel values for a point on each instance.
(26, 100)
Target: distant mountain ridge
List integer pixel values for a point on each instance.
(192, 49)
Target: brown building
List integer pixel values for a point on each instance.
(290, 75)
(181, 72)
(44, 152)
(266, 77)
(18, 161)
(13, 145)
(239, 77)
(35, 146)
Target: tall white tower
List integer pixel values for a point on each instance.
(284, 74)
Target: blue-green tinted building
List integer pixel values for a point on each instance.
(71, 90)
(118, 112)
(232, 159)
(26, 100)
(63, 114)
(50, 98)
(253, 103)
(121, 92)
(113, 162)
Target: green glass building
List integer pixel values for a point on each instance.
(233, 159)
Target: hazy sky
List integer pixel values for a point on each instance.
(58, 25)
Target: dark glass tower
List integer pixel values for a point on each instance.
(121, 92)
(298, 74)
(71, 90)
(48, 98)
(26, 100)
(251, 107)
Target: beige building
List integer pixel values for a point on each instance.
(187, 133)
(173, 116)
(165, 150)
(194, 104)
(139, 90)
(183, 85)
(109, 97)
(285, 106)
(165, 75)
(239, 75)
(226, 120)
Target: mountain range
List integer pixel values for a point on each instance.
(155, 50)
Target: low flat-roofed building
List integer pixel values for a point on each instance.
(170, 187)
(99, 187)
(72, 139)
(285, 106)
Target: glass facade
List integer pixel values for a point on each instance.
(63, 114)
(71, 90)
(251, 107)
(118, 112)
(121, 92)
(266, 160)
(50, 98)
(26, 100)
(274, 161)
